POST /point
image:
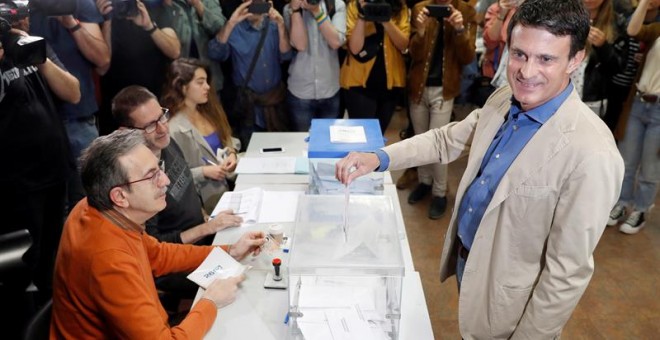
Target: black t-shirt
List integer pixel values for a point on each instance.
(136, 60)
(34, 143)
(435, 72)
(184, 205)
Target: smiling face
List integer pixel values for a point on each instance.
(539, 67)
(146, 114)
(197, 90)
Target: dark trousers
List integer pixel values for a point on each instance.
(41, 212)
(369, 103)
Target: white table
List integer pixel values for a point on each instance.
(259, 313)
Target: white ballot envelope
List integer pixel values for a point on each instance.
(218, 265)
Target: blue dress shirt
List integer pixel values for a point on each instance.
(511, 138)
(241, 46)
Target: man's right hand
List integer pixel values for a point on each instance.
(224, 219)
(223, 291)
(241, 13)
(354, 165)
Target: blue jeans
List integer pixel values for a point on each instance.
(639, 149)
(303, 110)
(81, 133)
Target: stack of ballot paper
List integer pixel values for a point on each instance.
(218, 265)
(259, 206)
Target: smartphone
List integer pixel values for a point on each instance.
(273, 149)
(439, 11)
(259, 7)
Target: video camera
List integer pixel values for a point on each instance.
(26, 51)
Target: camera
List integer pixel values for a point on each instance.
(21, 51)
(376, 10)
(123, 9)
(25, 51)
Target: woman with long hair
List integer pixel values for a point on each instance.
(199, 126)
(602, 60)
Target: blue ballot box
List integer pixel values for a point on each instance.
(331, 140)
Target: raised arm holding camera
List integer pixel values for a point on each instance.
(314, 94)
(374, 72)
(35, 145)
(257, 41)
(142, 43)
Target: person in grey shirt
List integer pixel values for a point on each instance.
(316, 31)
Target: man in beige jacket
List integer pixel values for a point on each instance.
(543, 173)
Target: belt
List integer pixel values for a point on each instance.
(462, 251)
(648, 98)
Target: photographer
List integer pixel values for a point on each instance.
(374, 72)
(260, 86)
(443, 41)
(78, 41)
(36, 153)
(313, 82)
(142, 43)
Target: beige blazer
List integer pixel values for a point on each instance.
(194, 147)
(532, 257)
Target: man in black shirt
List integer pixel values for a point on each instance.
(35, 167)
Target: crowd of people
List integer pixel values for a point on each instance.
(175, 88)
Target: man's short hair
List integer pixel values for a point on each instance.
(100, 169)
(559, 17)
(127, 100)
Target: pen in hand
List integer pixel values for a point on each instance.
(208, 161)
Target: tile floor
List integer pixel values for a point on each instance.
(621, 302)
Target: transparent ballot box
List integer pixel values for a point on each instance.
(332, 139)
(345, 270)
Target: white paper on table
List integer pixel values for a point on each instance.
(256, 205)
(266, 165)
(347, 134)
(217, 265)
(245, 203)
(338, 296)
(279, 206)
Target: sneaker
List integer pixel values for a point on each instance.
(407, 179)
(419, 193)
(634, 223)
(438, 207)
(616, 215)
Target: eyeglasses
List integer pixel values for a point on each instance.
(154, 178)
(151, 127)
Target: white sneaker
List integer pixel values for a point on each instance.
(634, 223)
(616, 215)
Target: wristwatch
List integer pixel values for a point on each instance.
(299, 10)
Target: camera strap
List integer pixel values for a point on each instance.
(260, 45)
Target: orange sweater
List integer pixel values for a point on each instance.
(104, 286)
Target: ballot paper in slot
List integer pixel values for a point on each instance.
(218, 265)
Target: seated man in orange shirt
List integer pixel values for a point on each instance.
(106, 264)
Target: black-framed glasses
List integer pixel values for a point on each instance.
(151, 127)
(154, 177)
